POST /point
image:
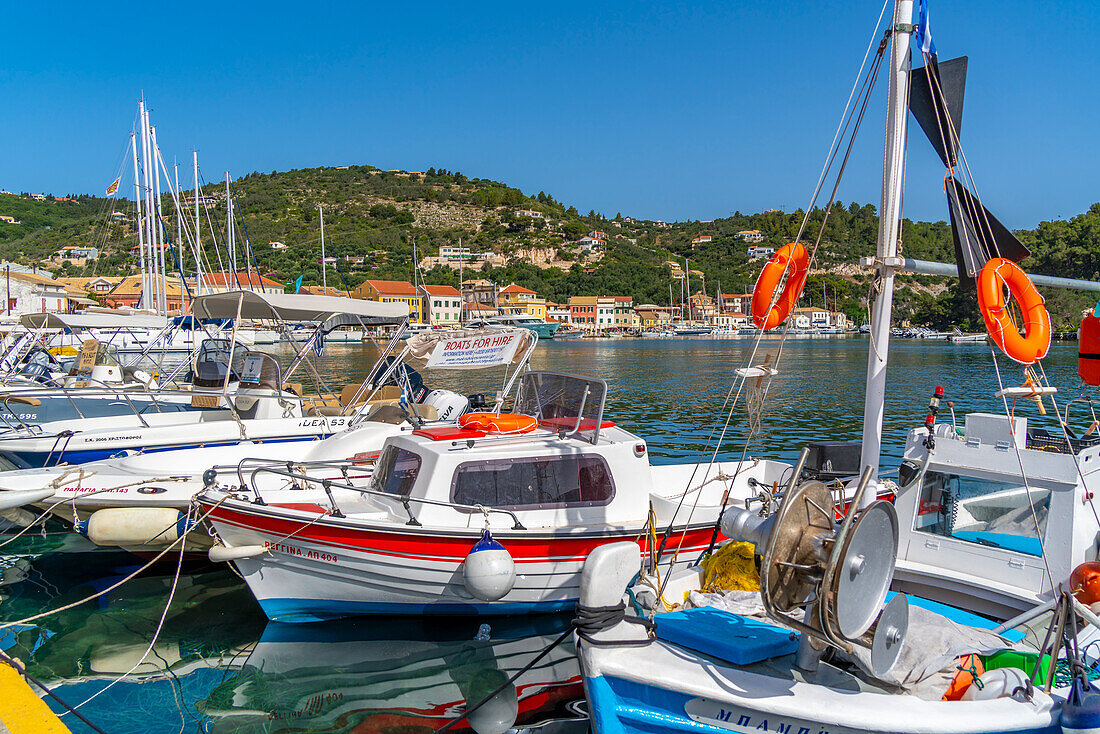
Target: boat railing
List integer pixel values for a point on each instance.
(327, 485)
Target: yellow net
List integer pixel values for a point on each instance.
(732, 568)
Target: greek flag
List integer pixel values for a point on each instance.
(924, 31)
(403, 401)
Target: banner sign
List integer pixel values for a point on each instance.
(473, 352)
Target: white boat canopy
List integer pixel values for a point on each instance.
(296, 307)
(80, 321)
(470, 348)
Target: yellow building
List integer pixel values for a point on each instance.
(650, 315)
(515, 299)
(392, 291)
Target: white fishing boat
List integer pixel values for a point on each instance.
(492, 514)
(886, 620)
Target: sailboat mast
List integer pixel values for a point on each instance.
(198, 241)
(137, 214)
(162, 303)
(324, 265)
(888, 230)
(231, 245)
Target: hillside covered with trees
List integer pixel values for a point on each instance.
(387, 217)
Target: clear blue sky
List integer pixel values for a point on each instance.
(678, 112)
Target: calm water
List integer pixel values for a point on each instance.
(217, 665)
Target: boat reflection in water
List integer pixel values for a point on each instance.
(400, 675)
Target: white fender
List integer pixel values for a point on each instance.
(996, 683)
(19, 497)
(220, 553)
(489, 571)
(134, 526)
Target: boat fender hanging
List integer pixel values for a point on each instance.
(1034, 343)
(1088, 350)
(488, 570)
(219, 553)
(997, 683)
(1081, 712)
(793, 260)
(498, 714)
(125, 526)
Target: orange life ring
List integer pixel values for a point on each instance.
(792, 259)
(1033, 344)
(499, 422)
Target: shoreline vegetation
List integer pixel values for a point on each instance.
(376, 220)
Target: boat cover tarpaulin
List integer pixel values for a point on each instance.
(79, 321)
(296, 307)
(469, 348)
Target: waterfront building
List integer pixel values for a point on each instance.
(701, 308)
(582, 310)
(624, 312)
(476, 311)
(99, 285)
(650, 315)
(392, 291)
(442, 304)
(515, 299)
(479, 291)
(128, 291)
(557, 312)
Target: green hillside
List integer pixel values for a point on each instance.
(382, 215)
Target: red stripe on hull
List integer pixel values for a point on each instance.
(420, 544)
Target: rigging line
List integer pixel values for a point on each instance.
(156, 632)
(250, 256)
(120, 582)
(855, 83)
(865, 92)
(1023, 473)
(1069, 443)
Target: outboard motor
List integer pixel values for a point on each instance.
(448, 405)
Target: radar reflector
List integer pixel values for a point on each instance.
(838, 573)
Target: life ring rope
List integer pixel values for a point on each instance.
(1034, 343)
(769, 309)
(500, 423)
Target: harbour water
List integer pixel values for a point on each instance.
(215, 665)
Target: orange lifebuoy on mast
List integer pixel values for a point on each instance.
(1033, 344)
(499, 422)
(793, 260)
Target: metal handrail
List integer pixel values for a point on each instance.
(328, 484)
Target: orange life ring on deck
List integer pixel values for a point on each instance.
(792, 259)
(1033, 344)
(499, 422)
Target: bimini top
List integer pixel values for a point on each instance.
(470, 348)
(297, 307)
(80, 321)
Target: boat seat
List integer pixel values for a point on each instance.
(725, 635)
(324, 410)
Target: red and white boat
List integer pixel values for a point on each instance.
(457, 520)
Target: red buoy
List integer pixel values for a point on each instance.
(1088, 350)
(1084, 582)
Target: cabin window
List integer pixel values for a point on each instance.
(396, 471)
(534, 483)
(1004, 515)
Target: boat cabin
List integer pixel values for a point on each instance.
(975, 533)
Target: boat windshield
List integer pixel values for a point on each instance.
(563, 402)
(396, 471)
(994, 514)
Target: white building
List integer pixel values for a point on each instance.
(757, 252)
(589, 243)
(442, 305)
(752, 236)
(33, 293)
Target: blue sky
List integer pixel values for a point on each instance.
(686, 111)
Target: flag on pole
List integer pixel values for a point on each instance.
(924, 31)
(298, 284)
(114, 186)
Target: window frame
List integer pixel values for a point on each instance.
(537, 506)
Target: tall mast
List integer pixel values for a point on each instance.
(162, 303)
(147, 281)
(230, 244)
(198, 241)
(888, 231)
(324, 266)
(138, 214)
